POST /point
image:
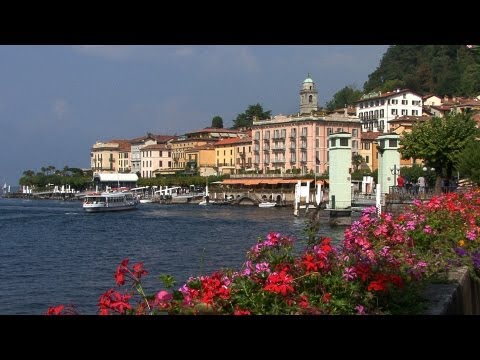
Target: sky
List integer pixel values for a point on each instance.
(56, 101)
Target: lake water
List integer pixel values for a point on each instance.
(51, 252)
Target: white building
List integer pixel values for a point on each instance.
(375, 110)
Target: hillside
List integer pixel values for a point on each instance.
(438, 69)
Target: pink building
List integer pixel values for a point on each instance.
(299, 143)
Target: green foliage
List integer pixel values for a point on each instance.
(413, 172)
(245, 119)
(76, 178)
(346, 96)
(439, 142)
(357, 160)
(438, 69)
(469, 162)
(217, 122)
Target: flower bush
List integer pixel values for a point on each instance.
(379, 268)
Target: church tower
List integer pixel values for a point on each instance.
(308, 96)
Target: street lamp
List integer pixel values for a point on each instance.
(395, 172)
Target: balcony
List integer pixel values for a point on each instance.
(266, 149)
(278, 161)
(279, 148)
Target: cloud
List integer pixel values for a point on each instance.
(60, 108)
(206, 57)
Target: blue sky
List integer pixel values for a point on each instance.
(57, 101)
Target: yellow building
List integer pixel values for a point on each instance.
(368, 149)
(201, 158)
(111, 157)
(180, 146)
(233, 156)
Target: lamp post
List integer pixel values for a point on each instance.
(395, 172)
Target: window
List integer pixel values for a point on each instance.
(224, 152)
(382, 102)
(382, 114)
(394, 102)
(169, 164)
(404, 102)
(316, 143)
(354, 144)
(343, 142)
(231, 151)
(249, 149)
(366, 146)
(169, 154)
(392, 143)
(376, 114)
(329, 131)
(333, 142)
(415, 112)
(160, 163)
(317, 130)
(257, 135)
(394, 111)
(382, 124)
(339, 130)
(310, 98)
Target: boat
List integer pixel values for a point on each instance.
(109, 201)
(267, 204)
(146, 201)
(206, 198)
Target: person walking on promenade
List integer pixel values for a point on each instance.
(401, 184)
(421, 186)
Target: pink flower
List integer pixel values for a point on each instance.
(360, 309)
(427, 229)
(471, 235)
(349, 273)
(163, 297)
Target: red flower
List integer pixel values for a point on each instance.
(55, 310)
(138, 270)
(326, 297)
(239, 311)
(279, 283)
(309, 263)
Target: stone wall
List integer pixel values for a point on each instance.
(461, 296)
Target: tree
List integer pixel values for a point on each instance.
(357, 160)
(217, 122)
(469, 162)
(439, 143)
(245, 119)
(346, 96)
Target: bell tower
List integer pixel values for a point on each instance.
(308, 96)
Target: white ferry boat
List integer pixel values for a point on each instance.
(109, 201)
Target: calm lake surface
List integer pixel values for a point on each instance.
(51, 252)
